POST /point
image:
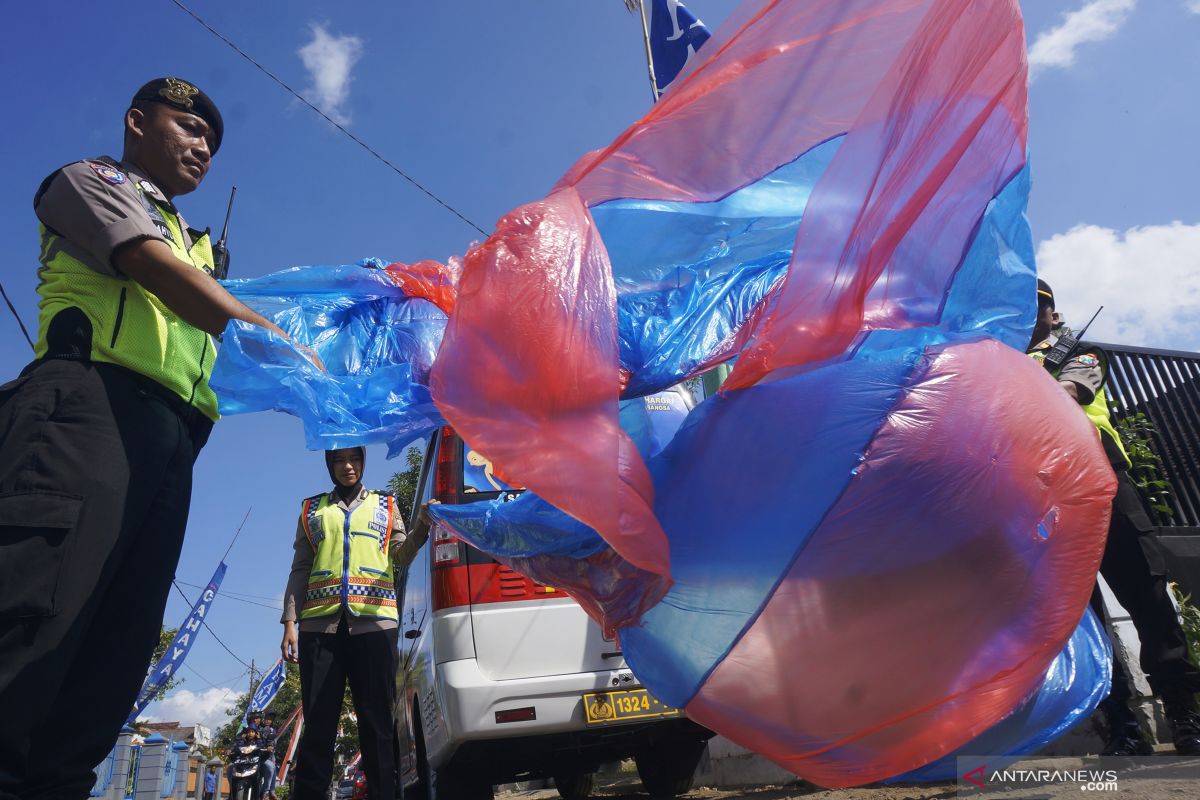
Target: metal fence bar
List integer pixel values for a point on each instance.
(1165, 386)
(1168, 424)
(1166, 440)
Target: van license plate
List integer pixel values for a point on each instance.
(604, 707)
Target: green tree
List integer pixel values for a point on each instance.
(1136, 431)
(404, 484)
(165, 637)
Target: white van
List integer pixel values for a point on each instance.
(502, 679)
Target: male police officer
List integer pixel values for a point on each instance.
(349, 545)
(1132, 565)
(98, 436)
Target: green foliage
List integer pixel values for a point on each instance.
(1136, 431)
(1190, 616)
(347, 739)
(404, 484)
(165, 637)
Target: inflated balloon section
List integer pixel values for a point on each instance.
(875, 546)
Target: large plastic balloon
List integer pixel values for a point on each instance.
(873, 544)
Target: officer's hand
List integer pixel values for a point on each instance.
(290, 646)
(312, 355)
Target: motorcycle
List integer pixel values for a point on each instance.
(244, 767)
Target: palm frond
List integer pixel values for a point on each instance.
(632, 5)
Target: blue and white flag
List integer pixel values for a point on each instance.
(266, 690)
(675, 36)
(173, 658)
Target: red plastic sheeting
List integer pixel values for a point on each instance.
(856, 670)
(527, 373)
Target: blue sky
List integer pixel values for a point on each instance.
(487, 104)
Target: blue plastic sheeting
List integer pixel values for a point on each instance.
(688, 275)
(521, 527)
(723, 571)
(377, 346)
(1076, 681)
(528, 526)
(715, 573)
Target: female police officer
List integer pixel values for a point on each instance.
(349, 544)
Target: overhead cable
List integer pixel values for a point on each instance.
(210, 630)
(327, 118)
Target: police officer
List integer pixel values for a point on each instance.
(349, 545)
(98, 436)
(1132, 565)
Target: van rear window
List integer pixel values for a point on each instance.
(478, 475)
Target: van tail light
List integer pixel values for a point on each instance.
(462, 575)
(445, 478)
(449, 572)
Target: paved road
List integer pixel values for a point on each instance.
(1162, 777)
(629, 788)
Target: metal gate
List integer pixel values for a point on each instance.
(1165, 386)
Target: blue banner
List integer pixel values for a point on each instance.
(173, 658)
(675, 36)
(266, 690)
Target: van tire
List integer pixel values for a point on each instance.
(668, 768)
(575, 786)
(441, 784)
(421, 790)
(451, 784)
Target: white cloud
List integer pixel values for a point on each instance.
(1147, 279)
(1193, 6)
(1096, 21)
(329, 61)
(206, 708)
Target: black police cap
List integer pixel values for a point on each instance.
(178, 93)
(1045, 292)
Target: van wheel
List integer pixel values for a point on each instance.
(576, 786)
(668, 768)
(450, 785)
(421, 790)
(441, 784)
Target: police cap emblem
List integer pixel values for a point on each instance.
(179, 92)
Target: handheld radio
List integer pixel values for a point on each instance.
(220, 249)
(1066, 345)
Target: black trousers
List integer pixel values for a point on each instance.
(327, 661)
(95, 482)
(1135, 570)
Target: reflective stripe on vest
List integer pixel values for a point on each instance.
(351, 566)
(130, 326)
(1097, 412)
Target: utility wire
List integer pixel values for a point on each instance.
(196, 672)
(210, 630)
(237, 533)
(327, 118)
(17, 317)
(253, 599)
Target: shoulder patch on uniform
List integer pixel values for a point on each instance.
(1088, 360)
(107, 172)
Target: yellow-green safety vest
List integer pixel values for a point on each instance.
(1097, 412)
(130, 326)
(351, 566)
